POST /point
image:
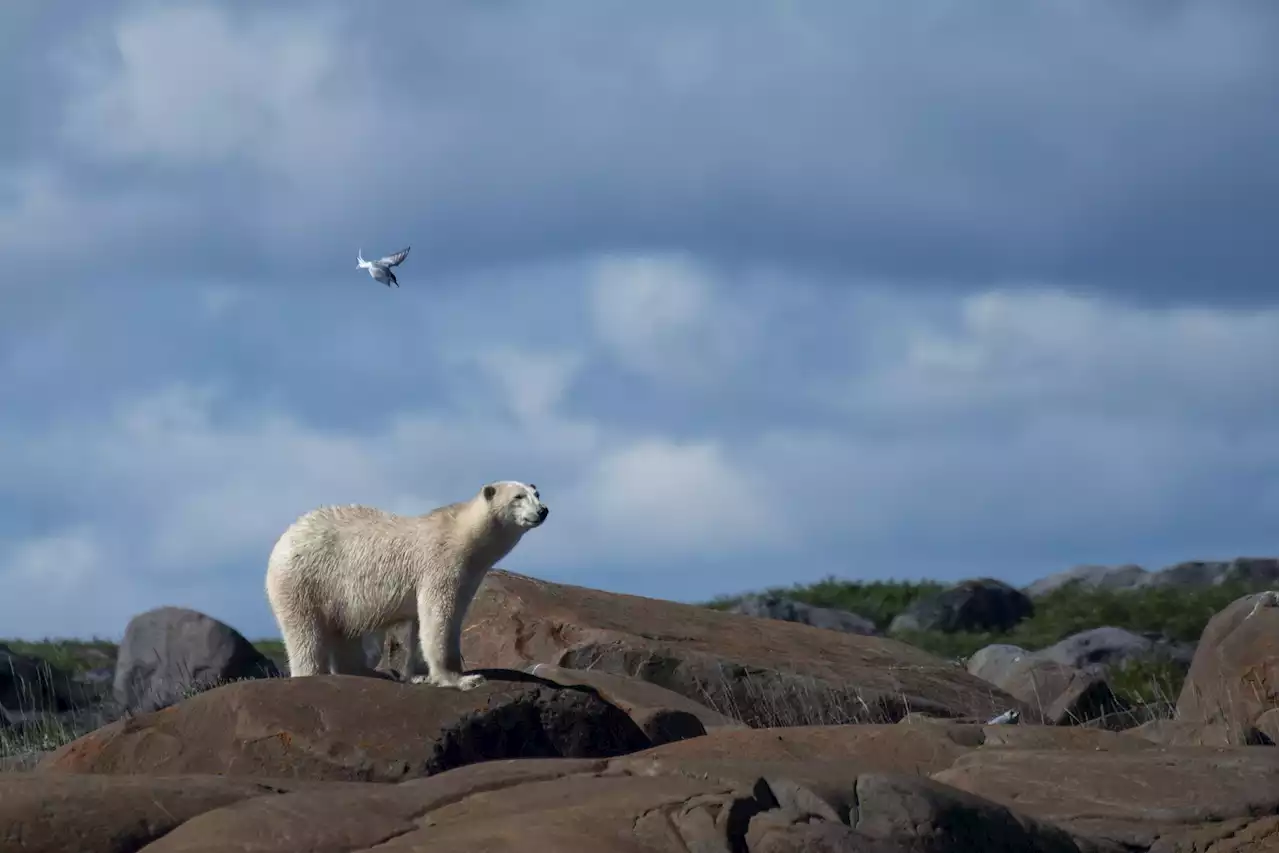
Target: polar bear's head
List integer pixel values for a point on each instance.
(516, 504)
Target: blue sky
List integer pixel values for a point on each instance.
(755, 293)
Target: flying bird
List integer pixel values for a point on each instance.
(380, 270)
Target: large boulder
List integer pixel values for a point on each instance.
(767, 606)
(1063, 694)
(1261, 572)
(983, 604)
(171, 652)
(1101, 648)
(757, 671)
(1089, 577)
(1233, 677)
(354, 728)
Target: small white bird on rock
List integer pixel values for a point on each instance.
(380, 270)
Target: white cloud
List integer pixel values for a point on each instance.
(662, 317)
(62, 561)
(191, 85)
(658, 497)
(532, 384)
(1035, 351)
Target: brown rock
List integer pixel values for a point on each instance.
(1268, 725)
(1187, 733)
(341, 820)
(922, 815)
(764, 672)
(1233, 676)
(47, 813)
(1129, 796)
(1245, 835)
(922, 749)
(662, 714)
(354, 728)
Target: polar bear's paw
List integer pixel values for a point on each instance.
(457, 682)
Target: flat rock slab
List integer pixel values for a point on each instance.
(355, 729)
(1131, 796)
(763, 672)
(47, 813)
(566, 805)
(922, 749)
(662, 714)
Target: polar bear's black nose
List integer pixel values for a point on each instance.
(542, 512)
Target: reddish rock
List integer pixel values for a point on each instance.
(1129, 797)
(662, 714)
(47, 813)
(764, 672)
(353, 728)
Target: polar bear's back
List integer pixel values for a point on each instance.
(358, 565)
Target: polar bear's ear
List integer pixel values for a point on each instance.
(489, 492)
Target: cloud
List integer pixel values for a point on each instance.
(1121, 149)
(937, 294)
(660, 316)
(654, 498)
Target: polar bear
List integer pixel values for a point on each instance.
(338, 574)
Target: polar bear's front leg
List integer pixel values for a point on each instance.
(440, 639)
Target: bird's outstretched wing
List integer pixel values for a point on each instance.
(394, 260)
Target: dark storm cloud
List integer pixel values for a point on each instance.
(1127, 147)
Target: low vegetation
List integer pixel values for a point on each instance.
(1176, 614)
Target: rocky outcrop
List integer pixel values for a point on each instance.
(171, 652)
(1258, 571)
(938, 787)
(762, 672)
(789, 610)
(982, 605)
(351, 728)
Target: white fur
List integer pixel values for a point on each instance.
(340, 573)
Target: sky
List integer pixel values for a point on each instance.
(755, 293)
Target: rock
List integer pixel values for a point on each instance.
(1186, 733)
(345, 818)
(789, 610)
(844, 789)
(170, 652)
(993, 663)
(1125, 797)
(1089, 577)
(760, 672)
(983, 605)
(1099, 648)
(29, 685)
(353, 728)
(1064, 695)
(102, 814)
(1233, 677)
(914, 749)
(934, 818)
(663, 715)
(566, 805)
(1199, 574)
